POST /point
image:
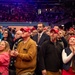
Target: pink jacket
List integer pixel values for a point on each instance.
(4, 63)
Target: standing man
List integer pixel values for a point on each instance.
(17, 40)
(39, 38)
(25, 54)
(50, 55)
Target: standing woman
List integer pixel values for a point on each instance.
(68, 57)
(4, 58)
(7, 36)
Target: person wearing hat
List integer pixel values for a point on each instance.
(68, 57)
(25, 54)
(50, 55)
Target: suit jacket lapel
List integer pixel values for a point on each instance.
(37, 38)
(41, 39)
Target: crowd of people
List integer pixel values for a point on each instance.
(41, 51)
(36, 50)
(32, 12)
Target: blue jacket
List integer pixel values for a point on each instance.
(1, 36)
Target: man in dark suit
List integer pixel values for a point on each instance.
(39, 38)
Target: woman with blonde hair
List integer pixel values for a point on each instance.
(4, 58)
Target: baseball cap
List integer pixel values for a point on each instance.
(55, 30)
(33, 28)
(71, 37)
(26, 29)
(72, 29)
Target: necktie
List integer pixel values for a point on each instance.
(73, 64)
(39, 37)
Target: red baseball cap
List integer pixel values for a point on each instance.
(33, 29)
(26, 29)
(71, 37)
(72, 29)
(55, 30)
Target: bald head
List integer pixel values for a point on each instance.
(18, 34)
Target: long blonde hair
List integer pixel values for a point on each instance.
(7, 47)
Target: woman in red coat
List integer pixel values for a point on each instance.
(4, 58)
